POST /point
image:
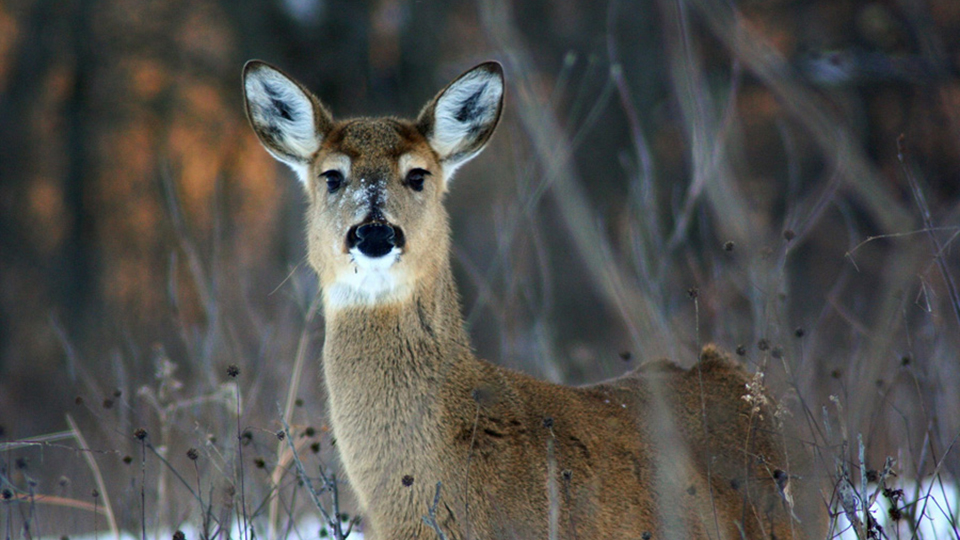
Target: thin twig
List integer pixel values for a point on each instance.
(431, 518)
(553, 492)
(143, 490)
(42, 440)
(332, 522)
(921, 202)
(292, 389)
(243, 495)
(466, 494)
(64, 502)
(849, 254)
(98, 478)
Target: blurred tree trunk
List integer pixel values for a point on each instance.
(101, 103)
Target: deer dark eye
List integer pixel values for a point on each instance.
(415, 179)
(334, 180)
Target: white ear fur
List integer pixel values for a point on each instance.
(464, 115)
(283, 115)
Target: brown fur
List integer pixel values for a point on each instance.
(661, 450)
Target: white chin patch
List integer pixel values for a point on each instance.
(369, 281)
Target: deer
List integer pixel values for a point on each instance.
(423, 426)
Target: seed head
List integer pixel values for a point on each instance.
(895, 513)
(127, 460)
(407, 480)
(741, 350)
(281, 435)
(193, 454)
(781, 477)
(233, 370)
(548, 422)
(728, 245)
(763, 344)
(789, 235)
(140, 434)
(799, 332)
(693, 293)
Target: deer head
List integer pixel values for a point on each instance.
(376, 227)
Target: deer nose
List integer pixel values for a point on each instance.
(375, 239)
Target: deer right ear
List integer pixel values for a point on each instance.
(288, 119)
(459, 121)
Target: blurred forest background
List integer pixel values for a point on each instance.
(668, 173)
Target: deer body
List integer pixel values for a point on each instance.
(670, 452)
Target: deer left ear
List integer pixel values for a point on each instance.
(459, 121)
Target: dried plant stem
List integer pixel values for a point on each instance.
(143, 491)
(921, 202)
(553, 491)
(466, 491)
(333, 522)
(276, 476)
(64, 502)
(936, 476)
(97, 476)
(42, 440)
(243, 495)
(694, 294)
(431, 518)
(864, 505)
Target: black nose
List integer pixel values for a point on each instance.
(374, 239)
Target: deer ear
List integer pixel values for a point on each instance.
(288, 119)
(459, 121)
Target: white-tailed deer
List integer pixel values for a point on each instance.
(660, 452)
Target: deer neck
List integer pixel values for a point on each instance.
(380, 360)
(384, 367)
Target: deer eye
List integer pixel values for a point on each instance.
(415, 178)
(334, 180)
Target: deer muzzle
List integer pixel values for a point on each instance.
(375, 239)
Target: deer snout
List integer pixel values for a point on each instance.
(375, 239)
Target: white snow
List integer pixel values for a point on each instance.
(935, 503)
